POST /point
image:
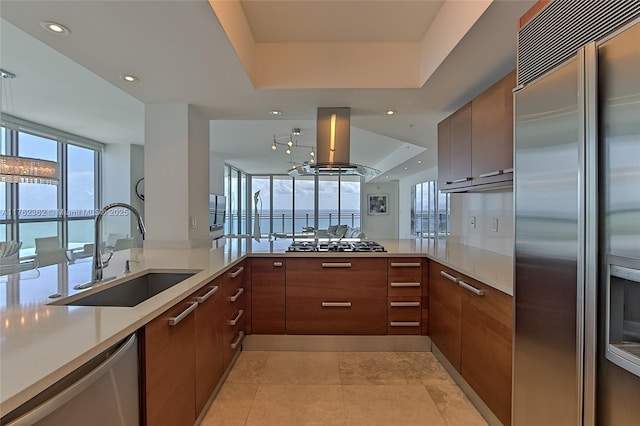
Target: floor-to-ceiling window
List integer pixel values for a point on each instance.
(304, 198)
(429, 211)
(35, 210)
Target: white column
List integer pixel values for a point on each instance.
(176, 162)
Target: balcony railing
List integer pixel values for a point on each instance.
(287, 224)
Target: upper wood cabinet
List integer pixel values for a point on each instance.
(492, 133)
(475, 143)
(454, 150)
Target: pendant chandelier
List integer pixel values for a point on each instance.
(14, 169)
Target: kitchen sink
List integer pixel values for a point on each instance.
(132, 292)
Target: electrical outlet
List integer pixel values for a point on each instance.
(473, 221)
(495, 224)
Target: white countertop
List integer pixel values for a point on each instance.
(40, 343)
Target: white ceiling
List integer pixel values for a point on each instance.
(181, 54)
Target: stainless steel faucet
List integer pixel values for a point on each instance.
(98, 264)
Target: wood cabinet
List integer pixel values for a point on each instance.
(208, 337)
(234, 296)
(445, 312)
(475, 143)
(454, 150)
(492, 133)
(187, 348)
(471, 324)
(268, 296)
(487, 318)
(336, 296)
(404, 295)
(169, 352)
(424, 301)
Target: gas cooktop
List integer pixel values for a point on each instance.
(342, 246)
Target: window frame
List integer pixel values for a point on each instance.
(12, 128)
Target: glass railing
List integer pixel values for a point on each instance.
(287, 224)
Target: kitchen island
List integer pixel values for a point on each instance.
(41, 342)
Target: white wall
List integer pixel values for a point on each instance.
(380, 226)
(176, 176)
(485, 207)
(404, 188)
(216, 181)
(116, 187)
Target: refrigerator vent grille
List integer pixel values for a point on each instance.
(545, 42)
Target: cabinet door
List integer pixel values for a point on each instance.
(444, 157)
(487, 322)
(460, 147)
(492, 133)
(445, 313)
(209, 327)
(169, 368)
(268, 296)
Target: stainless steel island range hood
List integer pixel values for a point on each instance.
(333, 147)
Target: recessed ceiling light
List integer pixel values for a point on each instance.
(390, 112)
(129, 78)
(406, 168)
(54, 27)
(275, 112)
(387, 176)
(419, 161)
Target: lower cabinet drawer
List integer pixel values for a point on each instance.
(318, 315)
(405, 315)
(234, 326)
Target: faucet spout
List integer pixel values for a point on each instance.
(98, 264)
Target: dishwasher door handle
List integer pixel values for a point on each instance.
(57, 401)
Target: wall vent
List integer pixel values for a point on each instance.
(559, 30)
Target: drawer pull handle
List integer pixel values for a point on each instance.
(201, 299)
(509, 170)
(405, 284)
(464, 179)
(449, 276)
(471, 288)
(336, 304)
(175, 320)
(405, 323)
(336, 265)
(489, 174)
(404, 304)
(277, 264)
(235, 296)
(236, 273)
(236, 342)
(406, 264)
(237, 318)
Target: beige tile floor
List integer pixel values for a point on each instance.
(340, 388)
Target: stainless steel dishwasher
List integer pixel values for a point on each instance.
(103, 392)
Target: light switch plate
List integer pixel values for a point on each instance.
(495, 224)
(473, 221)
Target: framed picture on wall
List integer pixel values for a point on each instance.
(377, 204)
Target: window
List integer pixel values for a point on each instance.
(67, 210)
(430, 211)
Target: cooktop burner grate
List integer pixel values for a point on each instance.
(336, 246)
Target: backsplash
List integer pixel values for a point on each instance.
(474, 217)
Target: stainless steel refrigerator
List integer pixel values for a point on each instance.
(577, 237)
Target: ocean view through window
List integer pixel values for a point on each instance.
(291, 206)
